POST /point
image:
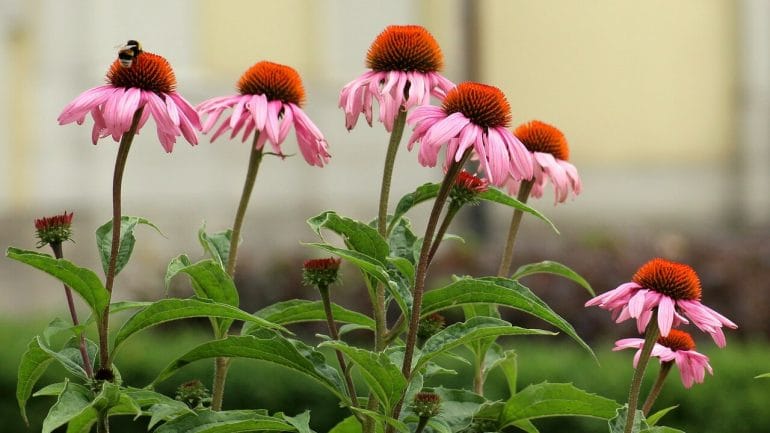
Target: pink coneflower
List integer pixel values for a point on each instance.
(679, 348)
(473, 116)
(149, 84)
(550, 153)
(269, 101)
(674, 289)
(404, 62)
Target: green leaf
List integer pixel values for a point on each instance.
(763, 376)
(210, 281)
(167, 310)
(422, 193)
(71, 403)
(457, 407)
(279, 350)
(217, 245)
(401, 240)
(405, 267)
(69, 356)
(661, 429)
(375, 269)
(224, 422)
(301, 310)
(618, 423)
(507, 361)
(33, 364)
(555, 399)
(551, 267)
(83, 423)
(81, 280)
(500, 291)
(159, 406)
(301, 422)
(380, 419)
(126, 243)
(465, 332)
(654, 418)
(384, 379)
(351, 425)
(497, 196)
(357, 235)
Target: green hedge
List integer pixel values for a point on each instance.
(730, 401)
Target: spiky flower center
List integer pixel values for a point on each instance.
(405, 48)
(675, 280)
(54, 229)
(320, 272)
(539, 136)
(466, 189)
(277, 82)
(148, 71)
(677, 340)
(483, 105)
(426, 404)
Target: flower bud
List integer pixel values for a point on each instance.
(426, 404)
(53, 230)
(430, 325)
(466, 189)
(320, 273)
(193, 394)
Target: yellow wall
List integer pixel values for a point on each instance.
(634, 82)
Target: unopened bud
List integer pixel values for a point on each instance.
(53, 230)
(320, 273)
(430, 325)
(193, 394)
(466, 189)
(426, 404)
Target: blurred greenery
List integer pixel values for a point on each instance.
(730, 401)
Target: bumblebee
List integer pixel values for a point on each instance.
(126, 53)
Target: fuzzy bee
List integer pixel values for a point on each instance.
(126, 53)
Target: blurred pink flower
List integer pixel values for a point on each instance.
(269, 102)
(404, 62)
(148, 83)
(473, 116)
(674, 289)
(679, 348)
(550, 153)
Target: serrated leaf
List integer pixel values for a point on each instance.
(302, 310)
(401, 241)
(654, 418)
(33, 364)
(496, 196)
(358, 236)
(230, 421)
(555, 268)
(69, 356)
(384, 379)
(70, 403)
(423, 193)
(555, 399)
(300, 421)
(500, 291)
(81, 280)
(158, 406)
(167, 310)
(291, 354)
(217, 245)
(458, 334)
(125, 245)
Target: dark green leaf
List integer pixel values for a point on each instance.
(551, 267)
(33, 364)
(301, 310)
(763, 376)
(357, 235)
(500, 291)
(279, 350)
(351, 425)
(69, 356)
(71, 403)
(401, 240)
(301, 422)
(555, 399)
(230, 421)
(463, 333)
(618, 423)
(384, 379)
(661, 429)
(167, 310)
(654, 418)
(217, 245)
(126, 243)
(210, 281)
(497, 196)
(81, 280)
(422, 193)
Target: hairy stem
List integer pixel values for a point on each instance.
(117, 184)
(505, 263)
(450, 214)
(478, 375)
(421, 424)
(222, 364)
(650, 336)
(655, 391)
(57, 252)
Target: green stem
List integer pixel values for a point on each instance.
(478, 375)
(117, 183)
(336, 336)
(655, 391)
(450, 214)
(57, 252)
(221, 364)
(421, 424)
(650, 336)
(505, 262)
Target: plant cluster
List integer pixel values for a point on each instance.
(382, 384)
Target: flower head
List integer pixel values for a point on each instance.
(269, 102)
(466, 189)
(677, 347)
(320, 272)
(54, 230)
(426, 404)
(550, 153)
(193, 393)
(674, 290)
(148, 85)
(472, 116)
(404, 63)
(430, 325)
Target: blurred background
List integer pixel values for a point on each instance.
(666, 106)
